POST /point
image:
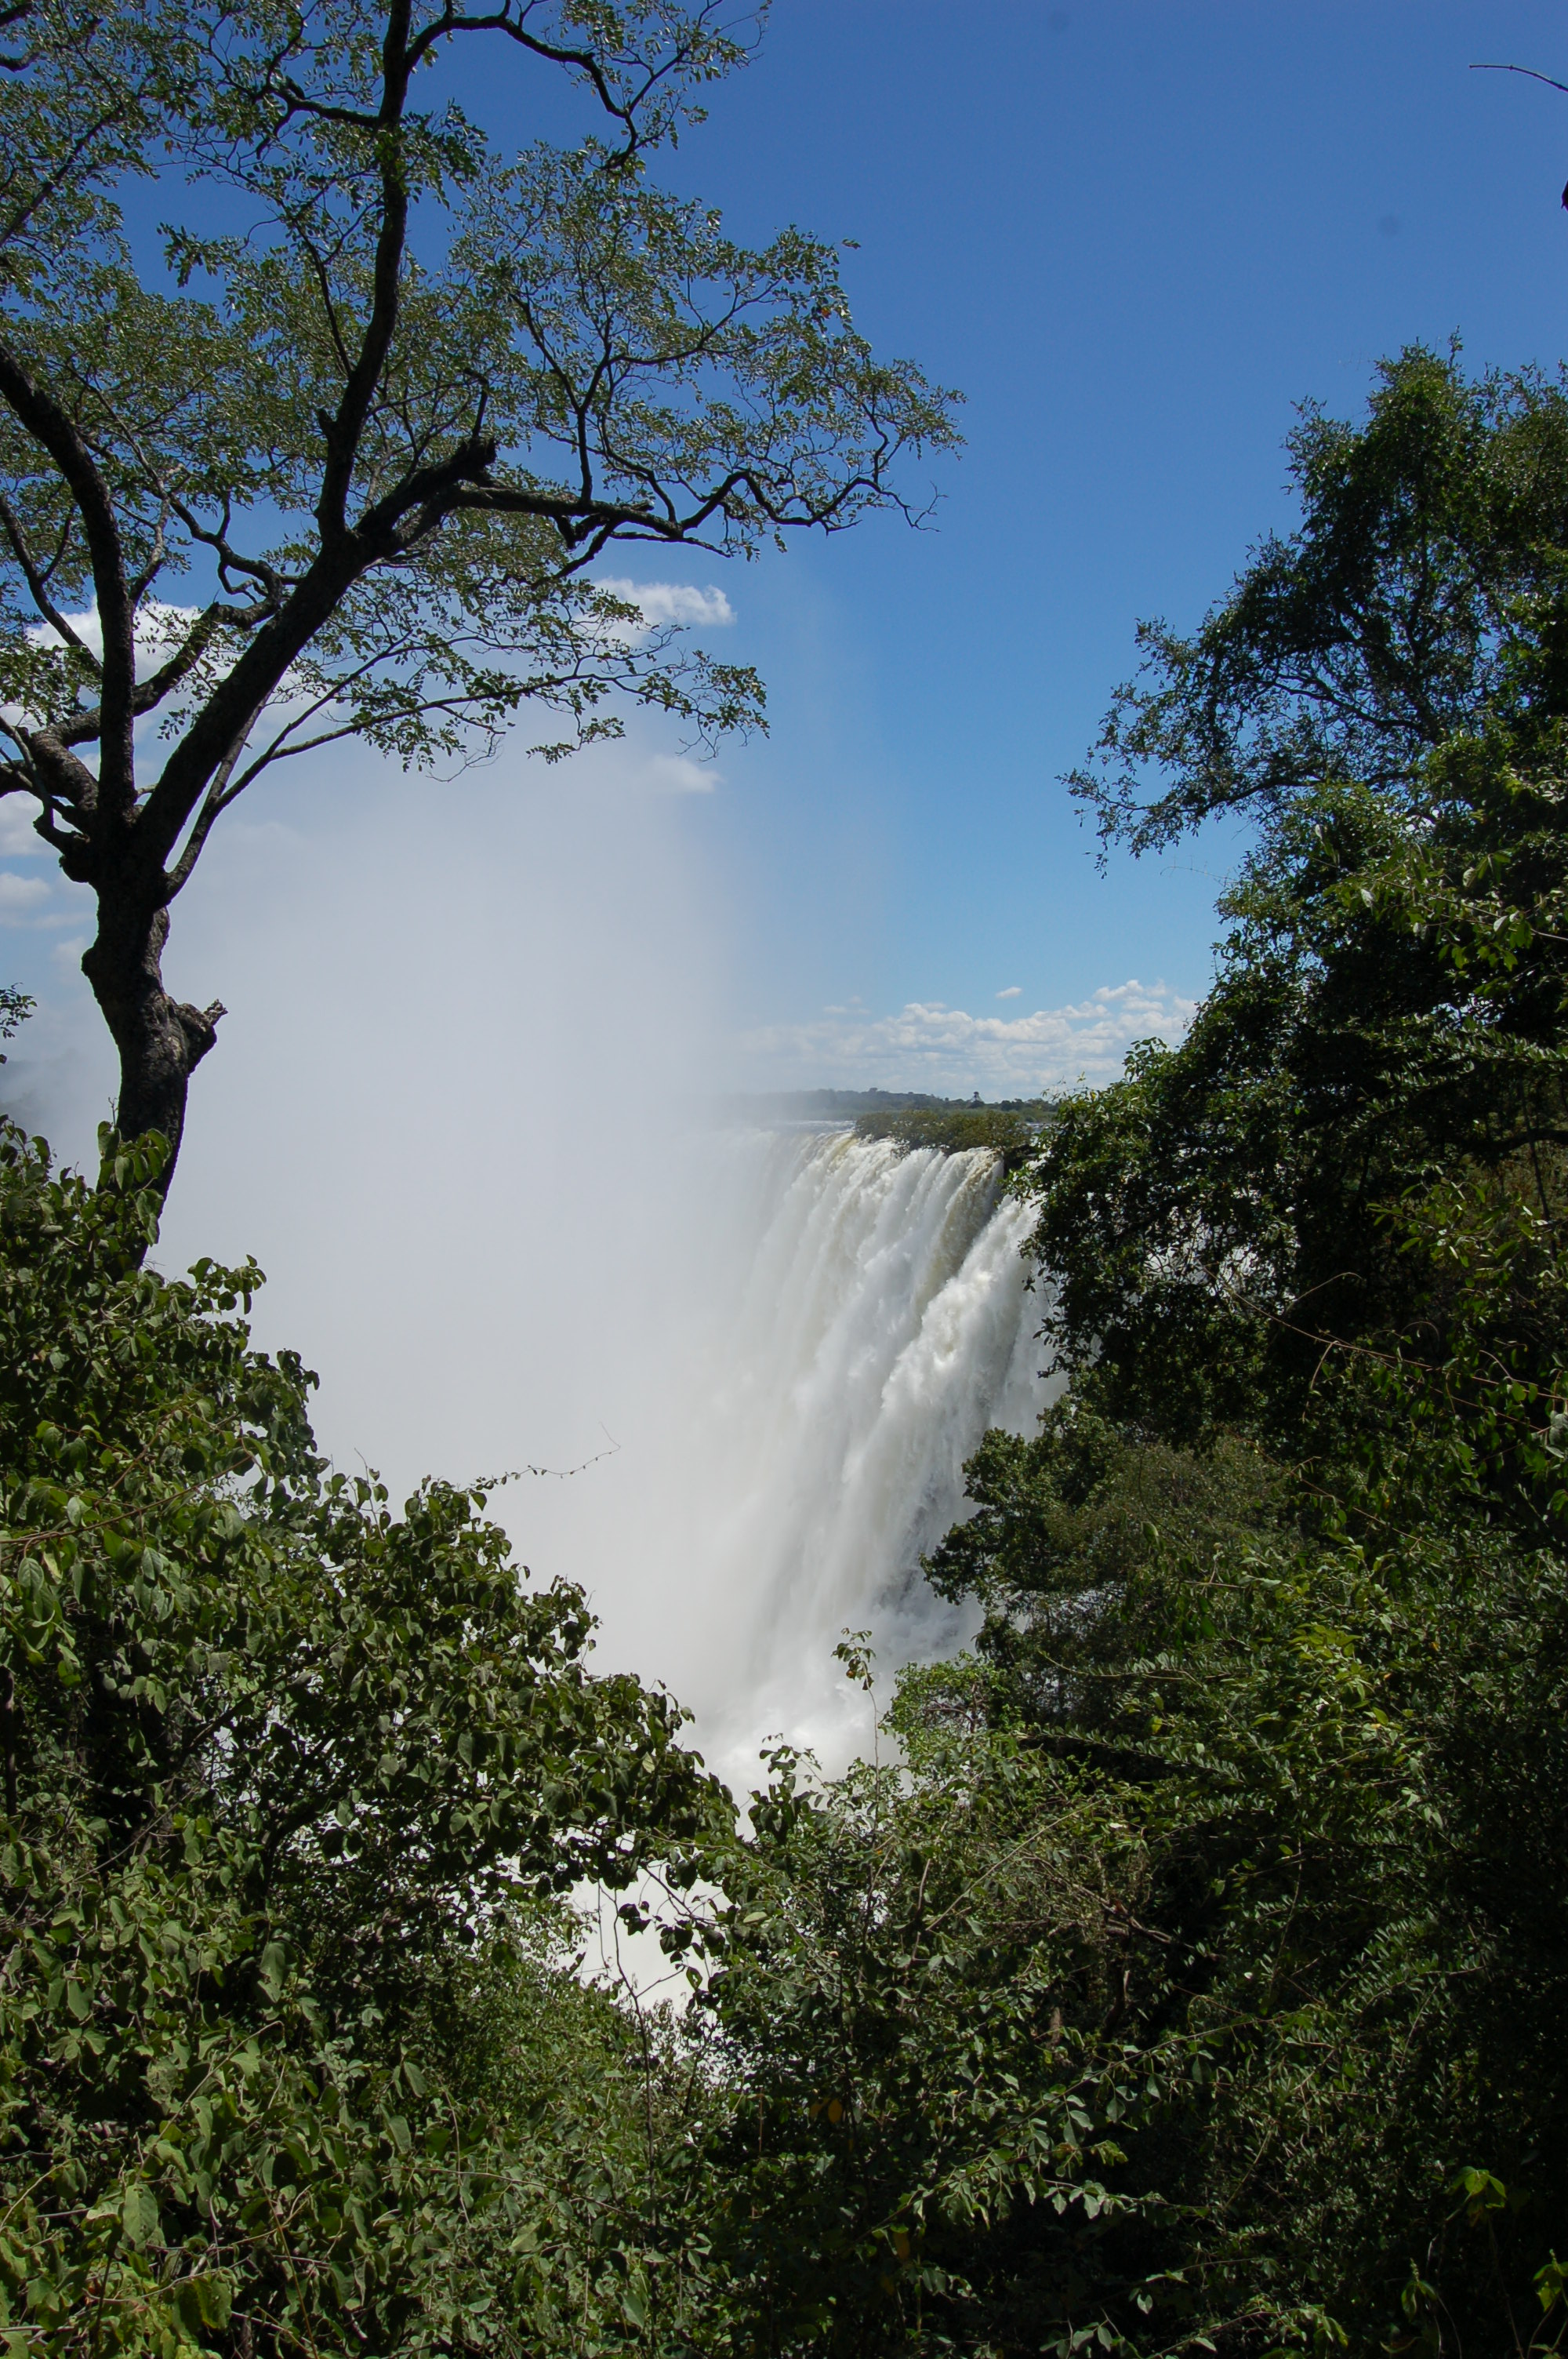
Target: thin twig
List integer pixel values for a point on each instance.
(1529, 71)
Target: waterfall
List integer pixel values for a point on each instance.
(882, 1326)
(849, 1319)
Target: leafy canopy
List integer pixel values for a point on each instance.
(335, 455)
(389, 412)
(1422, 591)
(291, 1786)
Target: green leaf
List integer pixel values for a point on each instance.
(139, 2216)
(204, 2302)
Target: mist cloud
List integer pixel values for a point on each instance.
(452, 1115)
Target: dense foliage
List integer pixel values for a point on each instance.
(293, 1786)
(1193, 1980)
(1283, 1580)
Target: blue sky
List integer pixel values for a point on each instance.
(1136, 233)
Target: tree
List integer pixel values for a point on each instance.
(1193, 1982)
(1339, 1762)
(291, 1787)
(914, 1975)
(1424, 590)
(383, 401)
(1382, 696)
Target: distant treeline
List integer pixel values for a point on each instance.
(1010, 1128)
(914, 1117)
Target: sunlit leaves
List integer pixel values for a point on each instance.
(390, 391)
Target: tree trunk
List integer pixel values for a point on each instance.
(161, 1040)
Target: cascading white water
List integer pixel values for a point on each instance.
(883, 1325)
(851, 1318)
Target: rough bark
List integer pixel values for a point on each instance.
(161, 1040)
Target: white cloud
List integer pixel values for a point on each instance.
(1012, 991)
(674, 602)
(17, 839)
(159, 626)
(19, 896)
(675, 773)
(39, 904)
(928, 1045)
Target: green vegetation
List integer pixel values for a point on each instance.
(293, 1786)
(1009, 1129)
(829, 1106)
(1191, 1978)
(1283, 1581)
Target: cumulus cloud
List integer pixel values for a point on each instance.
(674, 602)
(20, 897)
(17, 839)
(1011, 991)
(928, 1045)
(676, 774)
(159, 626)
(39, 904)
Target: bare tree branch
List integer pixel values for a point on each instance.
(38, 583)
(47, 423)
(1529, 71)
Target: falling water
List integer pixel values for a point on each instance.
(853, 1318)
